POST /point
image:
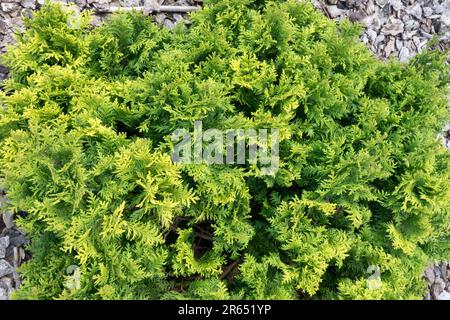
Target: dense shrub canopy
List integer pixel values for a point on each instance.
(85, 152)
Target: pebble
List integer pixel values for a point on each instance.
(4, 294)
(5, 268)
(335, 12)
(380, 38)
(9, 7)
(130, 3)
(4, 243)
(390, 47)
(8, 219)
(5, 288)
(415, 11)
(429, 275)
(393, 27)
(159, 18)
(404, 54)
(427, 12)
(168, 24)
(372, 35)
(396, 5)
(401, 19)
(445, 295)
(80, 3)
(437, 288)
(28, 4)
(411, 25)
(18, 240)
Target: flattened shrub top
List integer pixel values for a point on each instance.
(363, 182)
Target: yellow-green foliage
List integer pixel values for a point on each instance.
(85, 152)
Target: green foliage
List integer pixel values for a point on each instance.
(85, 151)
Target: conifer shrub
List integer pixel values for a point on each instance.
(363, 181)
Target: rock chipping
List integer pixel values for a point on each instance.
(395, 28)
(12, 251)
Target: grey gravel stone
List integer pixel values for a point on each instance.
(411, 25)
(380, 38)
(4, 294)
(334, 12)
(390, 47)
(177, 17)
(429, 275)
(7, 216)
(3, 27)
(168, 24)
(130, 3)
(445, 18)
(404, 54)
(29, 4)
(6, 288)
(381, 3)
(5, 268)
(393, 27)
(396, 5)
(438, 9)
(444, 272)
(9, 7)
(4, 243)
(427, 12)
(371, 35)
(80, 3)
(438, 287)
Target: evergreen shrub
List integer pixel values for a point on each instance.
(85, 136)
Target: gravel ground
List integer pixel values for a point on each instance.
(438, 278)
(12, 253)
(395, 28)
(392, 28)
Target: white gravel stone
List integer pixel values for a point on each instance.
(393, 27)
(79, 3)
(129, 3)
(445, 18)
(168, 24)
(3, 294)
(8, 219)
(28, 4)
(396, 4)
(445, 295)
